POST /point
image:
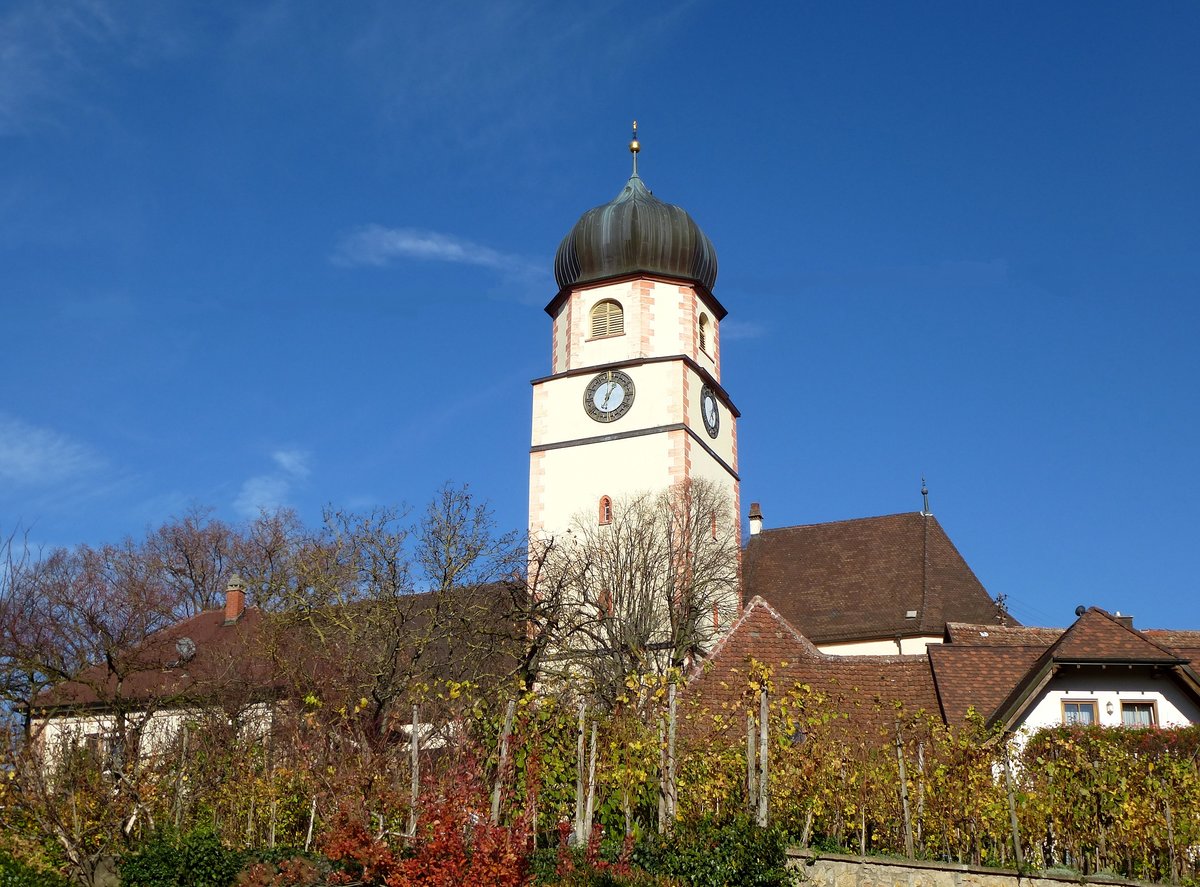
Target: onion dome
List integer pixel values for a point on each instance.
(635, 232)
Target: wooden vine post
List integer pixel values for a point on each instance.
(1018, 854)
(751, 762)
(502, 759)
(763, 772)
(414, 751)
(672, 787)
(908, 826)
(580, 837)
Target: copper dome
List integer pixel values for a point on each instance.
(635, 232)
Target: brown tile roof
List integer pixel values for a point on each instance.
(228, 658)
(864, 688)
(979, 676)
(963, 634)
(1185, 643)
(860, 578)
(1098, 636)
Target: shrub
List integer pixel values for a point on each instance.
(14, 873)
(196, 860)
(733, 854)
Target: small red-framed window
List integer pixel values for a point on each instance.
(606, 511)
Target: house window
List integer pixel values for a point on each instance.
(608, 319)
(1079, 712)
(705, 332)
(605, 510)
(1138, 714)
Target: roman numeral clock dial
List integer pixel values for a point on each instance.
(609, 396)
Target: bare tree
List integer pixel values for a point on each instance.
(648, 591)
(386, 605)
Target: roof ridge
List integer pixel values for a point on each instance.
(845, 520)
(1141, 636)
(754, 603)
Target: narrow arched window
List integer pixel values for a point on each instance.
(605, 510)
(705, 332)
(608, 319)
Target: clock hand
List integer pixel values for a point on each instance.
(611, 387)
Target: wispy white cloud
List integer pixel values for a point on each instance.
(273, 489)
(378, 246)
(742, 329)
(35, 456)
(294, 463)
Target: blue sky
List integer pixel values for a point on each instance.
(295, 253)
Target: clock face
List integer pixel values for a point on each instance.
(711, 411)
(609, 396)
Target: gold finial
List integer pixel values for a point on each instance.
(634, 147)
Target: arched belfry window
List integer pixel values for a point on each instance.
(705, 332)
(605, 510)
(608, 319)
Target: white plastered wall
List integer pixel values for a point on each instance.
(914, 646)
(157, 729)
(1110, 685)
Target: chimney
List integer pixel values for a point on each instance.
(235, 599)
(756, 519)
(1127, 621)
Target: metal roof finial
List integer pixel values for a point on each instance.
(634, 147)
(924, 497)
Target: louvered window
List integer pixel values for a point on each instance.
(608, 319)
(606, 513)
(704, 333)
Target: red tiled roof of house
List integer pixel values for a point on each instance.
(995, 670)
(1185, 643)
(227, 659)
(963, 634)
(1097, 635)
(864, 689)
(978, 677)
(859, 579)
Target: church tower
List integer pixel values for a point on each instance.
(634, 401)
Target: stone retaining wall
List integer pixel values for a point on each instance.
(836, 870)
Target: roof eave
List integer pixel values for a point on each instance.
(704, 292)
